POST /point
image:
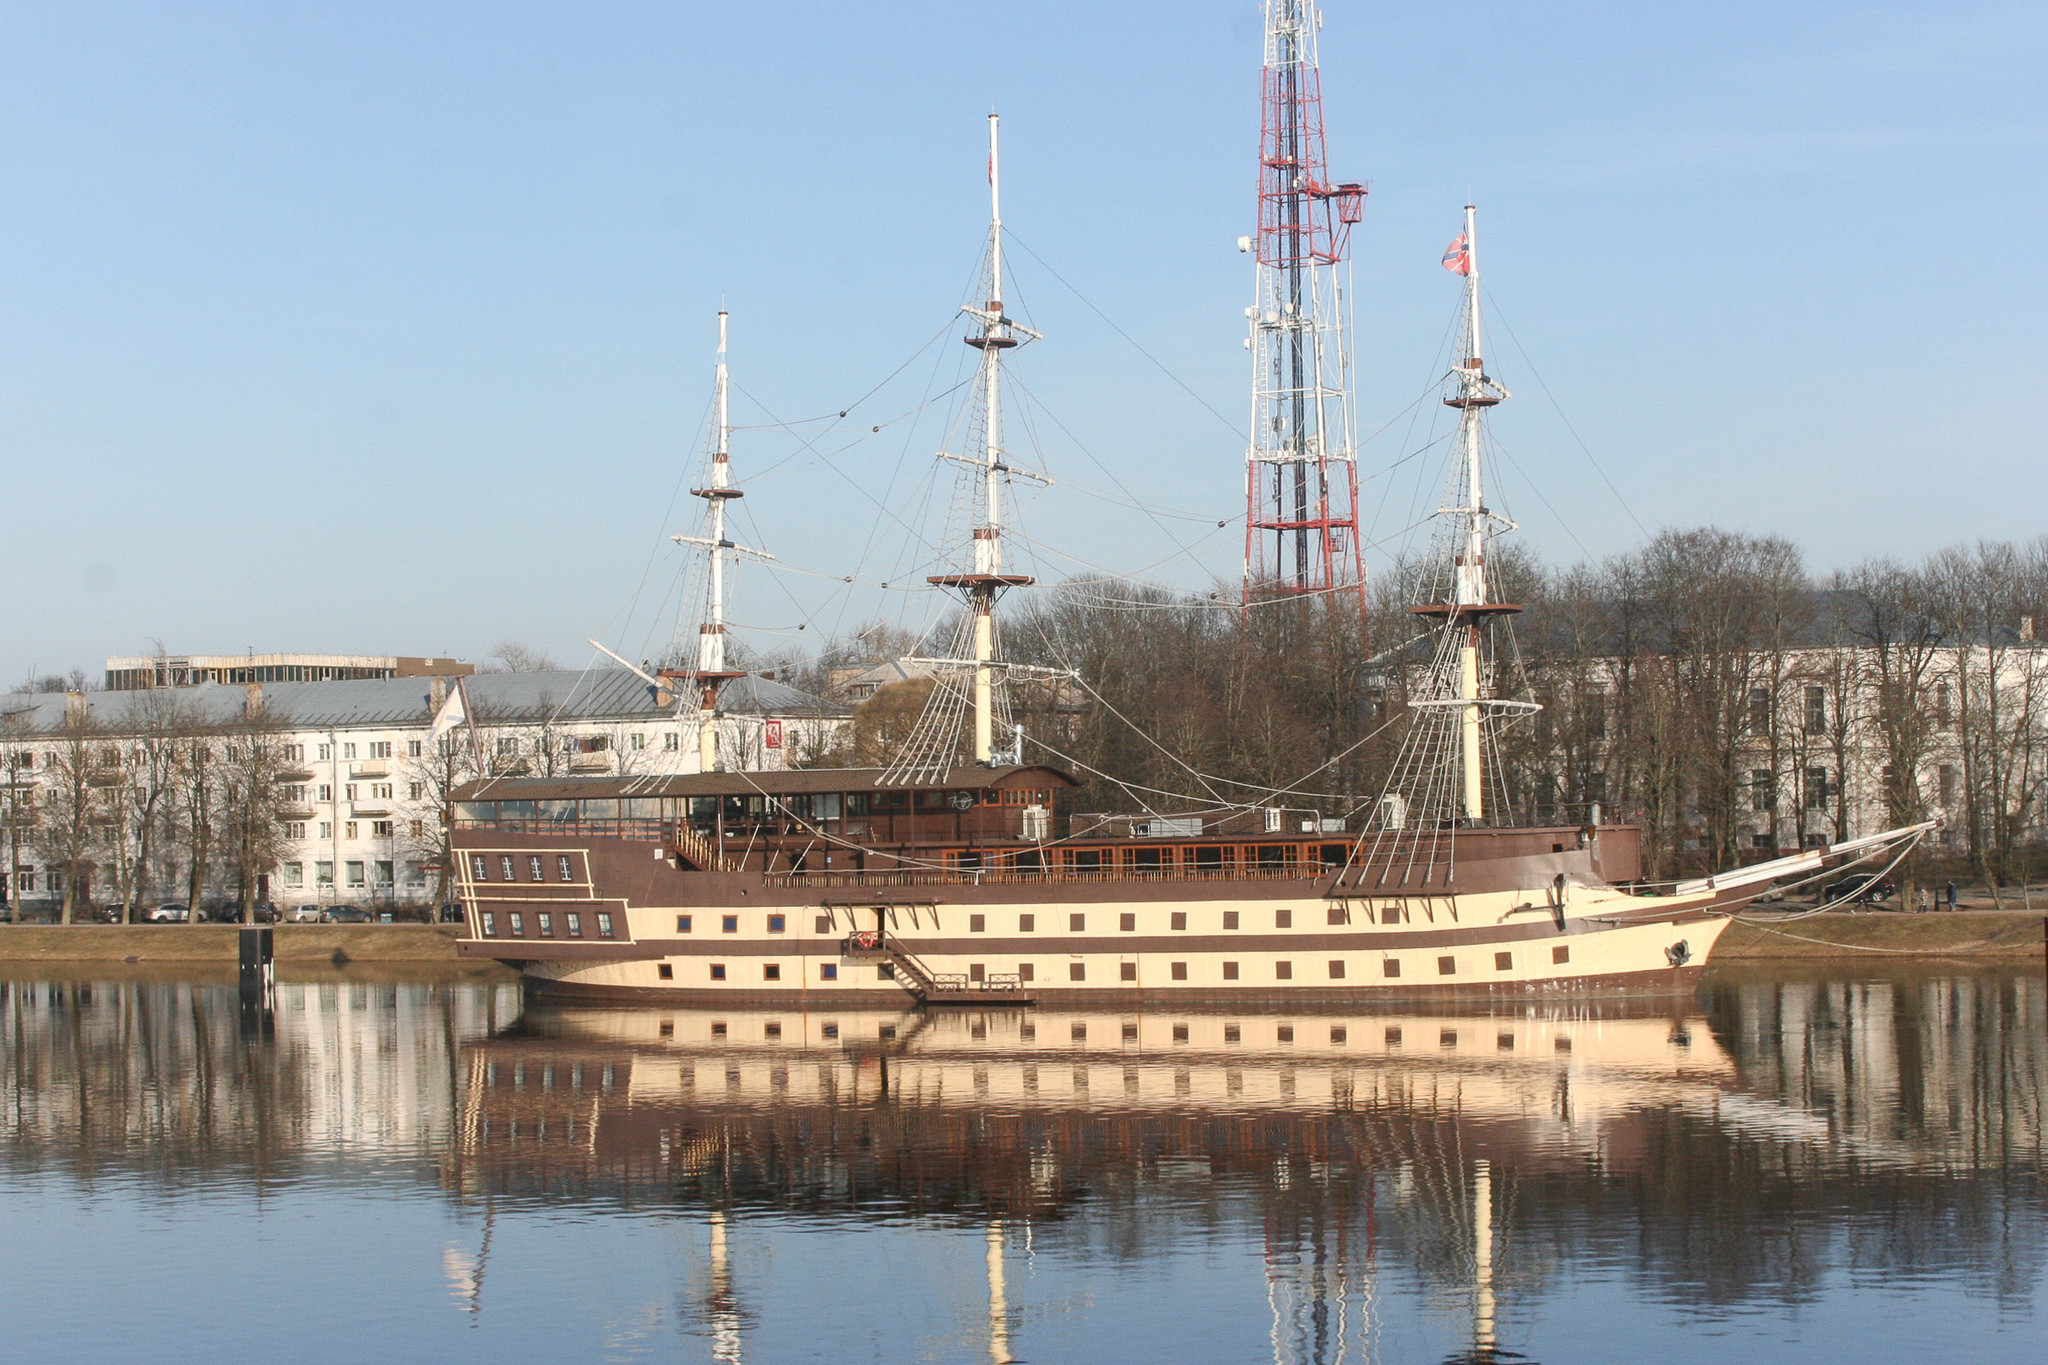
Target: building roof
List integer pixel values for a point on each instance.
(563, 695)
(787, 782)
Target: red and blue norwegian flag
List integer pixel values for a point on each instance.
(1458, 257)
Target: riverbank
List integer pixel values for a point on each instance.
(1961, 934)
(214, 943)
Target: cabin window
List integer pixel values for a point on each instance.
(1076, 923)
(1127, 922)
(1087, 860)
(575, 924)
(730, 924)
(829, 971)
(1179, 920)
(564, 869)
(717, 974)
(1338, 1033)
(1077, 971)
(967, 860)
(1030, 860)
(1230, 919)
(827, 805)
(1272, 855)
(547, 924)
(1145, 859)
(1283, 919)
(478, 867)
(1333, 855)
(1340, 914)
(518, 924)
(1026, 923)
(977, 924)
(1390, 914)
(1127, 971)
(771, 971)
(604, 924)
(533, 868)
(1232, 1033)
(1283, 971)
(1561, 953)
(1027, 972)
(1391, 967)
(776, 924)
(682, 924)
(1209, 860)
(938, 800)
(1230, 971)
(666, 971)
(1446, 966)
(1179, 972)
(490, 923)
(823, 926)
(1503, 962)
(1336, 969)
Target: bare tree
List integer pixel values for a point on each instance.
(71, 804)
(518, 658)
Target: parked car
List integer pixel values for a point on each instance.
(1863, 888)
(168, 914)
(345, 914)
(305, 914)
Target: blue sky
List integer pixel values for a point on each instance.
(388, 328)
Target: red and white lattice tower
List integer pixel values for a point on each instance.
(1301, 478)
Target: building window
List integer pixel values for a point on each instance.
(1283, 971)
(776, 924)
(1816, 709)
(1127, 971)
(381, 872)
(1230, 919)
(1446, 966)
(669, 743)
(490, 922)
(1230, 971)
(828, 971)
(771, 971)
(294, 875)
(718, 971)
(533, 867)
(350, 829)
(415, 791)
(1179, 972)
(295, 830)
(478, 867)
(326, 791)
(604, 924)
(505, 872)
(414, 748)
(1759, 709)
(323, 874)
(1816, 788)
(358, 874)
(518, 924)
(1077, 971)
(380, 829)
(326, 829)
(348, 792)
(666, 971)
(380, 749)
(547, 924)
(507, 747)
(326, 752)
(575, 924)
(1945, 784)
(638, 742)
(348, 751)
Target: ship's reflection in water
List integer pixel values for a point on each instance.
(1790, 1165)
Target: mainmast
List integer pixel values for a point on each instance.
(986, 581)
(712, 672)
(1301, 480)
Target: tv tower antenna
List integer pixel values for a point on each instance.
(1301, 477)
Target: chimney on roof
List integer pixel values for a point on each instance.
(252, 703)
(74, 708)
(2027, 628)
(437, 694)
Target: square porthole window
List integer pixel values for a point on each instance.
(771, 971)
(1503, 962)
(1446, 966)
(1340, 914)
(1230, 919)
(1077, 971)
(1391, 967)
(1027, 972)
(1077, 923)
(1283, 971)
(1026, 923)
(1179, 920)
(1336, 969)
(777, 924)
(1561, 953)
(666, 971)
(1127, 922)
(823, 926)
(1232, 1033)
(718, 971)
(1180, 1033)
(1127, 971)
(1286, 1033)
(1180, 971)
(730, 924)
(828, 971)
(1393, 1037)
(1338, 1034)
(977, 924)
(682, 924)
(1230, 971)
(1283, 919)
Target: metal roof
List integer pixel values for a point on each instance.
(562, 695)
(786, 782)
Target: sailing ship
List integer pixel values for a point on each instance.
(946, 877)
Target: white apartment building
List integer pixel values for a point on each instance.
(363, 787)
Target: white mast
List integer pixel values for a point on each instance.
(712, 673)
(1471, 561)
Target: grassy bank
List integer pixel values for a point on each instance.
(1964, 935)
(333, 943)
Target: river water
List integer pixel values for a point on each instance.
(1794, 1165)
